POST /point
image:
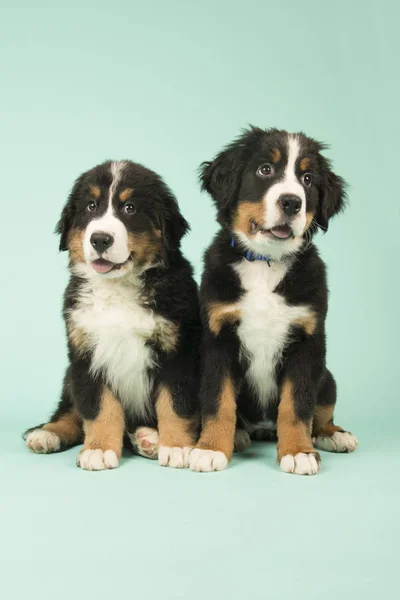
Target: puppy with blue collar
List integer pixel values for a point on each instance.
(264, 302)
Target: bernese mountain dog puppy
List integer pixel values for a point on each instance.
(133, 324)
(263, 300)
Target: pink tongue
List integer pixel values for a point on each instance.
(102, 266)
(281, 232)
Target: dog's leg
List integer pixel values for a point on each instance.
(64, 429)
(295, 450)
(103, 435)
(218, 393)
(326, 435)
(178, 432)
(216, 444)
(302, 371)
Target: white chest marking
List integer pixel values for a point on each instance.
(265, 324)
(118, 327)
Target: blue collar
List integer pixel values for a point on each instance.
(252, 256)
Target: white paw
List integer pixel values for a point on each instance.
(301, 464)
(204, 461)
(97, 460)
(242, 440)
(340, 441)
(145, 441)
(177, 458)
(42, 441)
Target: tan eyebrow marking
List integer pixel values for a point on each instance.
(304, 163)
(276, 155)
(95, 191)
(125, 194)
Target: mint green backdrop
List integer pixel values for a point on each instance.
(168, 84)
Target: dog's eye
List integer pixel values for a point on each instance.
(307, 179)
(129, 208)
(265, 170)
(91, 207)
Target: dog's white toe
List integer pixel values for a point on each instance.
(204, 461)
(177, 458)
(42, 441)
(97, 460)
(340, 441)
(301, 464)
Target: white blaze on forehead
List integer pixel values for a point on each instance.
(288, 185)
(117, 169)
(109, 223)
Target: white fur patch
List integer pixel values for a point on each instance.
(205, 461)
(265, 324)
(301, 464)
(118, 327)
(145, 440)
(177, 458)
(288, 185)
(97, 460)
(42, 441)
(109, 223)
(340, 441)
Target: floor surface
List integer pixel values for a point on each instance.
(248, 532)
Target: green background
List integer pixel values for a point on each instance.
(167, 84)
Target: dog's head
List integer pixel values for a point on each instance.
(120, 216)
(273, 189)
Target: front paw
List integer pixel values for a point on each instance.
(97, 460)
(204, 461)
(303, 463)
(177, 458)
(340, 441)
(42, 441)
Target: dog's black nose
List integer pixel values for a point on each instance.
(101, 241)
(290, 204)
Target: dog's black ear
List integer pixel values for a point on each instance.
(173, 225)
(332, 198)
(64, 224)
(66, 220)
(221, 178)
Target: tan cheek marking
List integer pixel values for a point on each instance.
(174, 431)
(309, 323)
(323, 421)
(75, 245)
(166, 335)
(246, 213)
(220, 314)
(107, 430)
(218, 432)
(125, 194)
(294, 436)
(276, 156)
(68, 428)
(144, 247)
(95, 191)
(309, 220)
(304, 164)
